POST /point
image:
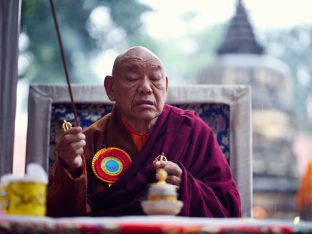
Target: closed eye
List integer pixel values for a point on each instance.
(155, 78)
(132, 79)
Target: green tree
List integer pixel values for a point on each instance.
(82, 39)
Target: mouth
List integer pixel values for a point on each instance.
(144, 103)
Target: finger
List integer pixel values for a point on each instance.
(77, 145)
(73, 137)
(71, 148)
(70, 132)
(157, 164)
(171, 168)
(67, 139)
(160, 164)
(73, 130)
(174, 180)
(68, 145)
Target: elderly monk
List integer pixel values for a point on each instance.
(139, 128)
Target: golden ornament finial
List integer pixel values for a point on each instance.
(161, 175)
(161, 157)
(66, 125)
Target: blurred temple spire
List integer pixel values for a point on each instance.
(241, 60)
(240, 38)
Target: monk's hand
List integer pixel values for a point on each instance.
(173, 170)
(69, 148)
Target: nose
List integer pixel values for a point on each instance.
(145, 86)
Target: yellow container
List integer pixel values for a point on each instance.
(26, 198)
(3, 198)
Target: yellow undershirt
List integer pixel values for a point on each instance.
(139, 138)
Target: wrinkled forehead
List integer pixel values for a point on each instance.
(137, 61)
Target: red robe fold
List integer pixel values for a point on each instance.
(207, 188)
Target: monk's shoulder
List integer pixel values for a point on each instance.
(189, 117)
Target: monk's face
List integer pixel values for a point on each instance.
(139, 86)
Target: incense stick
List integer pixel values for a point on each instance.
(64, 61)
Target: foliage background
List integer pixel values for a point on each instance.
(89, 43)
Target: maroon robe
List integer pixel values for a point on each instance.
(207, 188)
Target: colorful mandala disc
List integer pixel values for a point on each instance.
(109, 163)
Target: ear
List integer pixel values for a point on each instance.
(108, 85)
(166, 83)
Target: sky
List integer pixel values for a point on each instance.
(176, 19)
(165, 20)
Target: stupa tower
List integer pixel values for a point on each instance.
(240, 36)
(240, 60)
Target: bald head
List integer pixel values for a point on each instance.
(138, 86)
(137, 53)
